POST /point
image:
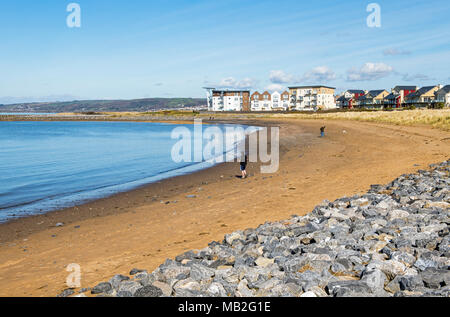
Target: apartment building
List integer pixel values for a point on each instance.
(311, 98)
(228, 100)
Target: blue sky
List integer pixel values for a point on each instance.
(172, 48)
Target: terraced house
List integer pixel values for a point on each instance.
(261, 102)
(424, 95)
(269, 102)
(280, 102)
(311, 98)
(373, 98)
(397, 97)
(349, 98)
(443, 95)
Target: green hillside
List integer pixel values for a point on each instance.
(142, 105)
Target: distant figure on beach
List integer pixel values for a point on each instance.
(322, 131)
(244, 167)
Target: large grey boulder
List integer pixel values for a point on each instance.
(102, 288)
(348, 288)
(149, 291)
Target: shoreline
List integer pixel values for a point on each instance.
(21, 227)
(183, 178)
(132, 229)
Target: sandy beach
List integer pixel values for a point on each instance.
(144, 227)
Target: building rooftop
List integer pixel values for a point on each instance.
(375, 93)
(371, 94)
(231, 90)
(445, 89)
(355, 91)
(421, 91)
(342, 98)
(392, 96)
(405, 87)
(299, 87)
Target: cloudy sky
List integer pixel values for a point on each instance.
(159, 48)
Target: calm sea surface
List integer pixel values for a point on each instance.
(49, 165)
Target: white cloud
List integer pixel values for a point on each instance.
(369, 71)
(228, 82)
(319, 74)
(407, 77)
(275, 87)
(232, 83)
(395, 52)
(280, 77)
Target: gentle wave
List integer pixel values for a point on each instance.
(46, 166)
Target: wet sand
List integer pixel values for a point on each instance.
(144, 227)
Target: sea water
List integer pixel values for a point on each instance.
(46, 166)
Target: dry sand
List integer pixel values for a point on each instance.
(135, 229)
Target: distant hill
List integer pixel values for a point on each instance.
(141, 105)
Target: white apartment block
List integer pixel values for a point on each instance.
(311, 98)
(280, 102)
(228, 100)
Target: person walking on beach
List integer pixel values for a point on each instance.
(244, 167)
(322, 131)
